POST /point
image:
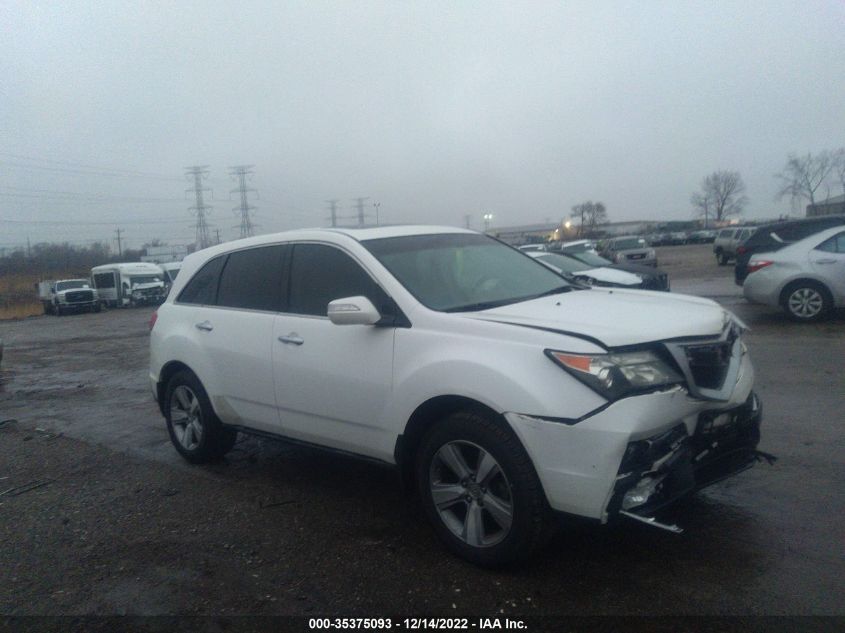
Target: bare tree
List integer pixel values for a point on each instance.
(722, 195)
(590, 215)
(803, 175)
(839, 166)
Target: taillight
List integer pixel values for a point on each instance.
(153, 320)
(757, 265)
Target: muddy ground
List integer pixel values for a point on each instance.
(120, 525)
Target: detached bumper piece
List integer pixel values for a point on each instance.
(659, 470)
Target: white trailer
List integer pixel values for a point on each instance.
(129, 284)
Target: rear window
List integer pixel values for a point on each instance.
(629, 243)
(202, 289)
(726, 232)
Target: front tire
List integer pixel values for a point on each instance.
(722, 258)
(480, 491)
(194, 428)
(806, 301)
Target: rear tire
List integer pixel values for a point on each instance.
(806, 301)
(494, 511)
(195, 430)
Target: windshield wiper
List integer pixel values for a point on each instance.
(483, 305)
(555, 291)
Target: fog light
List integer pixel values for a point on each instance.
(642, 492)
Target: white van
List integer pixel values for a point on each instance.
(129, 284)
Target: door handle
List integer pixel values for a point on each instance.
(293, 338)
(825, 261)
(205, 326)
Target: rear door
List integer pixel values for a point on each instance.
(828, 261)
(233, 327)
(333, 382)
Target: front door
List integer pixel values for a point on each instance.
(333, 382)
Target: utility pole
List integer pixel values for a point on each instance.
(333, 211)
(376, 205)
(217, 231)
(241, 172)
(119, 243)
(198, 173)
(467, 218)
(359, 207)
(28, 248)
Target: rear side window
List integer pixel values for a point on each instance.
(202, 289)
(252, 279)
(320, 274)
(835, 244)
(726, 233)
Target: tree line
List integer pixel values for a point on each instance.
(47, 259)
(722, 193)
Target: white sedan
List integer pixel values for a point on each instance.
(806, 279)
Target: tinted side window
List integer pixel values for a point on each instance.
(252, 279)
(202, 288)
(104, 280)
(320, 274)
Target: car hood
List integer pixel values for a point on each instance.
(611, 276)
(616, 318)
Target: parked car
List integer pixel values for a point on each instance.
(728, 240)
(702, 237)
(578, 246)
(772, 237)
(806, 278)
(579, 272)
(532, 247)
(129, 284)
(499, 390)
(62, 296)
(628, 250)
(653, 278)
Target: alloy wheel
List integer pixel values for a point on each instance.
(471, 493)
(185, 417)
(805, 303)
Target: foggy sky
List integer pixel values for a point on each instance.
(435, 110)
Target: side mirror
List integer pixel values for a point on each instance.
(353, 311)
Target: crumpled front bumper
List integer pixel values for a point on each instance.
(658, 470)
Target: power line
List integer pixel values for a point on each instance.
(199, 173)
(83, 166)
(241, 172)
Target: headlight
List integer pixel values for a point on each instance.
(615, 376)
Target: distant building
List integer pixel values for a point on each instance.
(165, 254)
(831, 206)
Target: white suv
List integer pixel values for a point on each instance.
(504, 394)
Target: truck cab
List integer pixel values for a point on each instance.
(67, 295)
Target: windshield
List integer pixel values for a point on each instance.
(563, 263)
(145, 279)
(73, 283)
(453, 272)
(628, 243)
(592, 259)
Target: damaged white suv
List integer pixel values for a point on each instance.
(503, 393)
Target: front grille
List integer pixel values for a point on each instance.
(709, 363)
(80, 296)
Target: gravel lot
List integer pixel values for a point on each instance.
(121, 525)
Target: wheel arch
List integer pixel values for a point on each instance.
(803, 279)
(425, 415)
(170, 369)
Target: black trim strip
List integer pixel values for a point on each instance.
(289, 440)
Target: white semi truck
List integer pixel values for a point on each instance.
(129, 284)
(67, 295)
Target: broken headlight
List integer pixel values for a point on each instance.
(617, 375)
